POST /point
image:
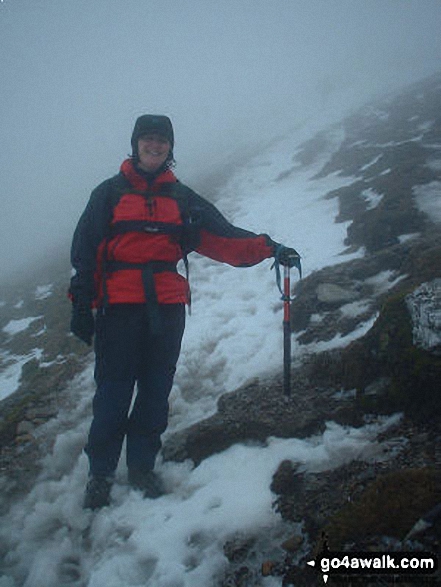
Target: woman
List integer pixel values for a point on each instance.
(136, 227)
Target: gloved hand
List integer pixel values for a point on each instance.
(286, 256)
(82, 323)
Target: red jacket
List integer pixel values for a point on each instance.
(131, 226)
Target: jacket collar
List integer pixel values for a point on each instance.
(140, 183)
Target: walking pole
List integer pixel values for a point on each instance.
(293, 261)
(287, 331)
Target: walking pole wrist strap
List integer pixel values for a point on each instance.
(276, 265)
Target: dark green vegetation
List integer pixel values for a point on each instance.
(389, 506)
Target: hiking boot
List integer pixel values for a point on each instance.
(97, 493)
(148, 482)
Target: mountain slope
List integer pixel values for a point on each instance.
(390, 159)
(360, 200)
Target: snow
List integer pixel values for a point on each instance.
(354, 309)
(372, 198)
(375, 160)
(176, 539)
(425, 126)
(428, 199)
(11, 374)
(59, 359)
(338, 341)
(235, 331)
(407, 237)
(43, 291)
(11, 365)
(435, 164)
(16, 326)
(233, 334)
(384, 281)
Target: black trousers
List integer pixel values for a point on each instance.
(127, 353)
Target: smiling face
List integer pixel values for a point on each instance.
(153, 150)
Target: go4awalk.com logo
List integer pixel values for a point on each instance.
(396, 564)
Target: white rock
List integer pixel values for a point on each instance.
(424, 305)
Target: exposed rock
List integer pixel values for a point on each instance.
(25, 427)
(254, 413)
(425, 309)
(385, 505)
(293, 544)
(403, 376)
(21, 439)
(371, 280)
(41, 412)
(330, 293)
(237, 549)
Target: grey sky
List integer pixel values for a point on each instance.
(75, 74)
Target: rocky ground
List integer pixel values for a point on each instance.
(372, 504)
(375, 503)
(43, 388)
(347, 502)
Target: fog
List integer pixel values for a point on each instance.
(231, 74)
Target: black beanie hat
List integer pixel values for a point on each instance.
(152, 123)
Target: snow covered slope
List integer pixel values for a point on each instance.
(317, 192)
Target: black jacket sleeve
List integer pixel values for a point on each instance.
(222, 241)
(89, 233)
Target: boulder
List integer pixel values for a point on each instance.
(331, 293)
